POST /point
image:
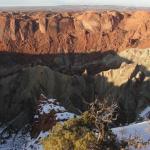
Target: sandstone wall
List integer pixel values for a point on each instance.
(73, 32)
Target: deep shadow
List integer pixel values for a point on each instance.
(128, 95)
(72, 63)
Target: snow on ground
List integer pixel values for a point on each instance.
(34, 144)
(48, 105)
(25, 142)
(145, 113)
(140, 130)
(21, 141)
(15, 142)
(64, 116)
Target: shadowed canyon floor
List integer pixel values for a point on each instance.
(126, 77)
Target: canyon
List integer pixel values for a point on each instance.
(74, 57)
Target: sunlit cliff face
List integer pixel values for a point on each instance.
(73, 32)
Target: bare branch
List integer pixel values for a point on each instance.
(103, 114)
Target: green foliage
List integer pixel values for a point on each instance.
(74, 134)
(84, 142)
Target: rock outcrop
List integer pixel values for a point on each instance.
(20, 89)
(129, 84)
(127, 80)
(73, 32)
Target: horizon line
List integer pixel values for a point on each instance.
(89, 5)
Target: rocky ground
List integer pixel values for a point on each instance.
(126, 80)
(22, 140)
(72, 57)
(48, 113)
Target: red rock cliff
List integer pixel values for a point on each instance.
(49, 32)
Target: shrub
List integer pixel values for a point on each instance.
(79, 133)
(74, 134)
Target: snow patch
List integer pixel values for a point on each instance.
(34, 144)
(64, 116)
(141, 130)
(21, 141)
(48, 107)
(145, 114)
(15, 142)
